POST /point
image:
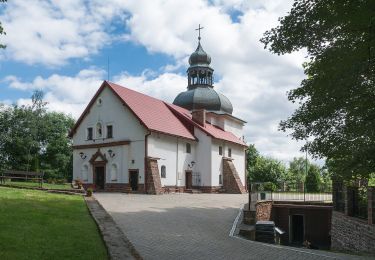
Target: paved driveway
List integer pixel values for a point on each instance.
(191, 226)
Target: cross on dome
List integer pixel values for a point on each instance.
(199, 31)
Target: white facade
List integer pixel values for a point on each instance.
(125, 151)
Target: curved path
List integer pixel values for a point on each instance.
(192, 226)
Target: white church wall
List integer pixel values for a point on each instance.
(125, 127)
(234, 127)
(203, 155)
(215, 120)
(119, 161)
(164, 147)
(185, 160)
(217, 161)
(110, 112)
(238, 155)
(172, 153)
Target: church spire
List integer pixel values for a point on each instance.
(200, 74)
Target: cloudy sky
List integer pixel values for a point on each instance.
(63, 48)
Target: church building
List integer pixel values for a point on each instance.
(130, 142)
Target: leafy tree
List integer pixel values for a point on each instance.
(267, 170)
(34, 139)
(296, 172)
(252, 155)
(337, 97)
(313, 179)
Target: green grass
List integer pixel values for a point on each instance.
(65, 186)
(40, 225)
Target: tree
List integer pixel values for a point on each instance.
(252, 155)
(2, 46)
(267, 170)
(34, 139)
(313, 179)
(296, 172)
(337, 97)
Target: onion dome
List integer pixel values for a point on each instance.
(199, 57)
(204, 98)
(200, 93)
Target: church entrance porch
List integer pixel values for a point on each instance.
(99, 177)
(133, 179)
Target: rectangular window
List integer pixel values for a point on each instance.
(220, 150)
(220, 179)
(188, 148)
(89, 133)
(229, 152)
(109, 131)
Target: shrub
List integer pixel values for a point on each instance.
(89, 192)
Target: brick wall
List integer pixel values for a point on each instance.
(153, 177)
(263, 210)
(352, 234)
(231, 181)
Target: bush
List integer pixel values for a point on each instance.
(89, 192)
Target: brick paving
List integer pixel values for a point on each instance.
(192, 226)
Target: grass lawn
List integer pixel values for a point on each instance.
(39, 225)
(65, 186)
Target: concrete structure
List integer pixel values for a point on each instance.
(127, 141)
(193, 226)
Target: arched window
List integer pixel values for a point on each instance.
(99, 130)
(163, 172)
(114, 172)
(85, 173)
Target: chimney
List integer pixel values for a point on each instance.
(199, 116)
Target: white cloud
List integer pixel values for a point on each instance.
(255, 80)
(52, 32)
(63, 93)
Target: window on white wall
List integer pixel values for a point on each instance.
(114, 172)
(220, 150)
(188, 148)
(85, 173)
(229, 152)
(99, 130)
(89, 133)
(109, 131)
(163, 171)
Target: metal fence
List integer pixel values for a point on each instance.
(291, 196)
(196, 178)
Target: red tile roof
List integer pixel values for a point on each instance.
(209, 129)
(159, 116)
(152, 112)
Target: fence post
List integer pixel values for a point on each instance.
(304, 191)
(371, 205)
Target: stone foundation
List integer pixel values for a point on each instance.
(352, 234)
(231, 181)
(116, 187)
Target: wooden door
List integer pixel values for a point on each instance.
(133, 180)
(99, 177)
(188, 180)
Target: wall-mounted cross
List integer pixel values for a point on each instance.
(199, 31)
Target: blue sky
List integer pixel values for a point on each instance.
(62, 48)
